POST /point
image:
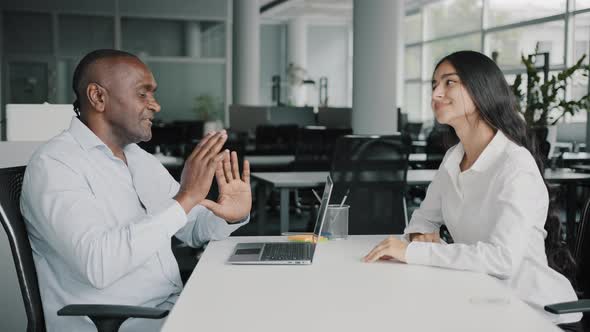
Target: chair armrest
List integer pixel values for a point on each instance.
(569, 307)
(112, 311)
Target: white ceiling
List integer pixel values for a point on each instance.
(325, 10)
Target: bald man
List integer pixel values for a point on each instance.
(101, 212)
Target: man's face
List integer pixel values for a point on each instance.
(131, 104)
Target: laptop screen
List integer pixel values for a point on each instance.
(323, 208)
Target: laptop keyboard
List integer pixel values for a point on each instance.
(286, 251)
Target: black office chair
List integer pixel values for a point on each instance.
(276, 139)
(315, 148)
(372, 169)
(107, 318)
(309, 151)
(439, 140)
(314, 151)
(412, 129)
(582, 258)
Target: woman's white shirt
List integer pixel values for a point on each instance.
(496, 213)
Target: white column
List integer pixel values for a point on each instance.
(297, 59)
(192, 38)
(246, 52)
(378, 47)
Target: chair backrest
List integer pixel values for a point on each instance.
(11, 180)
(372, 169)
(191, 130)
(582, 253)
(315, 147)
(280, 139)
(309, 150)
(412, 129)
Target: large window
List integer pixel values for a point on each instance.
(412, 62)
(434, 51)
(504, 30)
(502, 12)
(413, 28)
(512, 43)
(444, 18)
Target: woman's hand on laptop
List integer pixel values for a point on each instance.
(392, 247)
(235, 196)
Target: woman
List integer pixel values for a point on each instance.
(488, 191)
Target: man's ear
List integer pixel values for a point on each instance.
(96, 96)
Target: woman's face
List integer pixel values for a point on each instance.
(451, 103)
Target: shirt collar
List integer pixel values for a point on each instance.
(88, 139)
(84, 135)
(489, 155)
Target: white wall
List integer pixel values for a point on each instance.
(327, 54)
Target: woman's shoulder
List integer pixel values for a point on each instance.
(516, 158)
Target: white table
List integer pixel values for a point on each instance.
(340, 293)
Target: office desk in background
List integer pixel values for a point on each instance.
(569, 158)
(273, 160)
(284, 160)
(286, 181)
(338, 292)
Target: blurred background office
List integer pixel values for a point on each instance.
(286, 77)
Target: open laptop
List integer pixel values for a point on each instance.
(284, 252)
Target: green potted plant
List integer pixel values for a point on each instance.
(543, 102)
(209, 109)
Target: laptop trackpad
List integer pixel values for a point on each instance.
(245, 252)
(248, 251)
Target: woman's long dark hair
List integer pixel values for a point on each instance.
(498, 107)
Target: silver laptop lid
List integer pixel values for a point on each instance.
(322, 212)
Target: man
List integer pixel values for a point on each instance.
(101, 212)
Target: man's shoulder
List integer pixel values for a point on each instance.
(62, 148)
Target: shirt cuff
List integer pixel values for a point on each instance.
(418, 253)
(233, 226)
(241, 222)
(175, 218)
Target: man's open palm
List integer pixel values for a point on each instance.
(235, 196)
